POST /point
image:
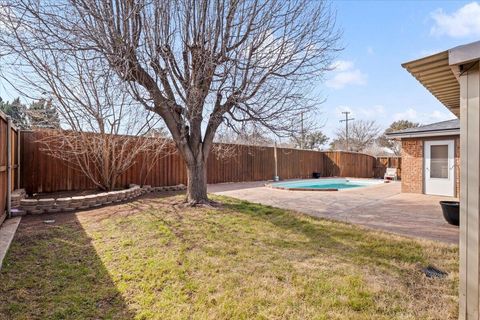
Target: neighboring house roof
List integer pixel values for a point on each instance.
(444, 128)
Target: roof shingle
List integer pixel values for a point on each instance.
(443, 126)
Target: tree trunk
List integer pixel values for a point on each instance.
(197, 183)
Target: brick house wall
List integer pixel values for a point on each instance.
(413, 163)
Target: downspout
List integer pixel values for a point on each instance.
(9, 167)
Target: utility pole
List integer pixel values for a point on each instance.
(346, 120)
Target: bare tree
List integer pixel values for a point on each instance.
(250, 135)
(196, 63)
(306, 133)
(16, 110)
(102, 158)
(361, 135)
(309, 140)
(104, 125)
(391, 144)
(42, 114)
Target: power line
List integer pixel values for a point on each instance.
(346, 120)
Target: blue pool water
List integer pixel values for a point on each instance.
(326, 184)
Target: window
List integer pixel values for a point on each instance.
(439, 161)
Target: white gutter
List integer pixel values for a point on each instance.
(420, 134)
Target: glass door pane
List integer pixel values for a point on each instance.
(439, 161)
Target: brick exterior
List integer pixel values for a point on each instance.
(413, 163)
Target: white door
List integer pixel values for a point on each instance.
(440, 167)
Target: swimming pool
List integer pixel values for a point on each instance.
(325, 184)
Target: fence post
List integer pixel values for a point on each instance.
(18, 157)
(275, 178)
(9, 167)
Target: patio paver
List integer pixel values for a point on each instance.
(381, 207)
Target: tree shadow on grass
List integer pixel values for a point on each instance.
(348, 242)
(52, 271)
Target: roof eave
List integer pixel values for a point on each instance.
(439, 73)
(435, 74)
(423, 134)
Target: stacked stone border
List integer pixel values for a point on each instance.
(69, 204)
(17, 196)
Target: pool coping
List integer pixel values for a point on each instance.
(270, 184)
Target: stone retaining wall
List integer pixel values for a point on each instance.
(17, 196)
(51, 205)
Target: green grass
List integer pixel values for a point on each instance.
(153, 259)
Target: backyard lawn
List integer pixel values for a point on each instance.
(155, 259)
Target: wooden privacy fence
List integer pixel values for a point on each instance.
(9, 166)
(43, 173)
(382, 163)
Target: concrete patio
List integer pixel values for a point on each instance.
(381, 207)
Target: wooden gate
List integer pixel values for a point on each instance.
(8, 132)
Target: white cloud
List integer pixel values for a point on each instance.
(441, 116)
(345, 74)
(423, 117)
(409, 114)
(370, 50)
(462, 23)
(370, 113)
(342, 65)
(379, 109)
(428, 52)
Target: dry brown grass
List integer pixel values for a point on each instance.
(152, 259)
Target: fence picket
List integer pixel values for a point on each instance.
(15, 167)
(43, 173)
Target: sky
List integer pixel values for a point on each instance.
(378, 36)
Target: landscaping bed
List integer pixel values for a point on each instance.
(64, 194)
(91, 200)
(153, 258)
